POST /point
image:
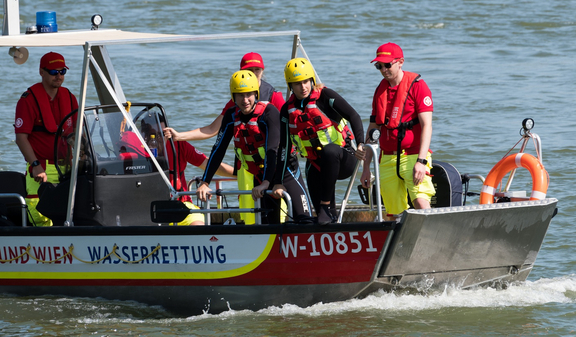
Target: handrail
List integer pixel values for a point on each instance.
(526, 136)
(22, 202)
(217, 180)
(375, 151)
(257, 204)
(348, 190)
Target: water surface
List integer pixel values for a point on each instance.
(489, 65)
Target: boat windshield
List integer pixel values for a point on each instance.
(115, 146)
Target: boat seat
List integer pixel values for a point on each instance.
(11, 208)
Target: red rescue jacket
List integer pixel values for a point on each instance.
(311, 129)
(250, 141)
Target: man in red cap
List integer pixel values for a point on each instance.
(402, 110)
(38, 113)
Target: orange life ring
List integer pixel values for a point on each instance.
(507, 164)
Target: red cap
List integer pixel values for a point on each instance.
(251, 60)
(388, 52)
(52, 61)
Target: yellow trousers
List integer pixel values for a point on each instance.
(36, 218)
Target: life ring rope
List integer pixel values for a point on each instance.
(540, 178)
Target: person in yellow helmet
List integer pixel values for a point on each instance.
(325, 129)
(254, 126)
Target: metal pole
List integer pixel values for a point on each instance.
(375, 151)
(526, 137)
(295, 45)
(78, 141)
(348, 190)
(11, 25)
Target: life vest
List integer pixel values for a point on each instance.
(311, 129)
(392, 118)
(180, 177)
(179, 171)
(42, 99)
(250, 141)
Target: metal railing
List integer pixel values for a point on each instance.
(257, 210)
(22, 202)
(375, 152)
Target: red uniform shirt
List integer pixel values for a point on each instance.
(419, 100)
(28, 116)
(186, 154)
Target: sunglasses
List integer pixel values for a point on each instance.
(385, 65)
(54, 72)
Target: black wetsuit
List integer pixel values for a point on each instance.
(335, 162)
(269, 123)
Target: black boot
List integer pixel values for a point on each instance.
(324, 215)
(304, 219)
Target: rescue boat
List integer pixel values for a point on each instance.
(106, 245)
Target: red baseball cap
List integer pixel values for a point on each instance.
(388, 52)
(251, 60)
(52, 61)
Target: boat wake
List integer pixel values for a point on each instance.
(524, 294)
(100, 311)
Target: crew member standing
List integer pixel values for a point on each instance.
(38, 113)
(402, 109)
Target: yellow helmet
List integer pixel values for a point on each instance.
(244, 81)
(299, 69)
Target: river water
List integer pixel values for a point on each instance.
(489, 64)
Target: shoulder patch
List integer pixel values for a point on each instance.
(427, 101)
(19, 123)
(198, 151)
(25, 94)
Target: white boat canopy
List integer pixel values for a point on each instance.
(102, 37)
(75, 38)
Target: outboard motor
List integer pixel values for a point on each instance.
(448, 184)
(117, 179)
